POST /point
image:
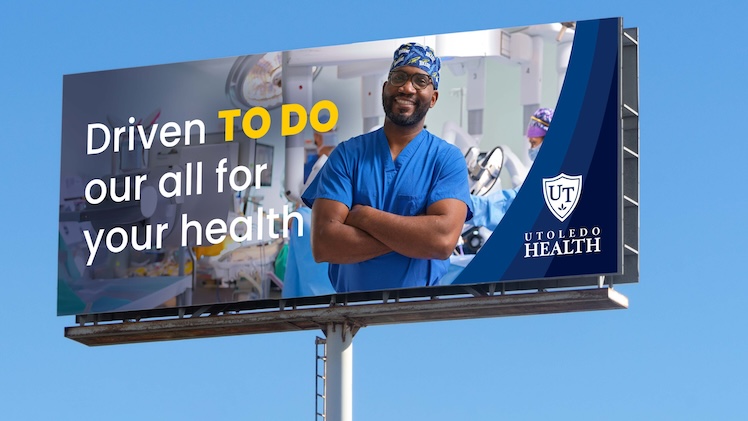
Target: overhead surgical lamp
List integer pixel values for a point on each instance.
(257, 81)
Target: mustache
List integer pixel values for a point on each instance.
(410, 97)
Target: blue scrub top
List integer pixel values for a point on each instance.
(361, 171)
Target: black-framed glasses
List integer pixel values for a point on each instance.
(419, 81)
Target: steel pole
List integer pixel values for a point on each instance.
(339, 390)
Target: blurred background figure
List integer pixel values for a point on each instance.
(490, 208)
(325, 143)
(302, 276)
(491, 204)
(537, 129)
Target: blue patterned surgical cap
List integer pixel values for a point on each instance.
(416, 55)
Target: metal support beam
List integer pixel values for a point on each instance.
(339, 382)
(358, 315)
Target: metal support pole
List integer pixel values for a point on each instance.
(339, 386)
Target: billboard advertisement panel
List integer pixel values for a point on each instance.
(268, 177)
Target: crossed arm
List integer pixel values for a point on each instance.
(341, 236)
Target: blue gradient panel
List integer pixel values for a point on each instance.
(582, 141)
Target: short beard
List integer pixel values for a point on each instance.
(419, 111)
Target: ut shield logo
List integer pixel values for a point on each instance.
(561, 194)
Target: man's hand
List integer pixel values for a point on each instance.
(343, 236)
(430, 236)
(356, 215)
(335, 241)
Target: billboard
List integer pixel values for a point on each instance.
(187, 184)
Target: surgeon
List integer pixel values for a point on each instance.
(489, 210)
(325, 143)
(388, 206)
(303, 276)
(537, 128)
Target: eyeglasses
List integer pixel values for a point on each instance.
(419, 81)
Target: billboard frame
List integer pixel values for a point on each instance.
(321, 308)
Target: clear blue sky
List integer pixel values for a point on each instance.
(679, 352)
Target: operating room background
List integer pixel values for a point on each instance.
(503, 118)
(140, 91)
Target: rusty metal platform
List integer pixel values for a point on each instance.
(359, 315)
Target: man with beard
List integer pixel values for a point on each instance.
(388, 206)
